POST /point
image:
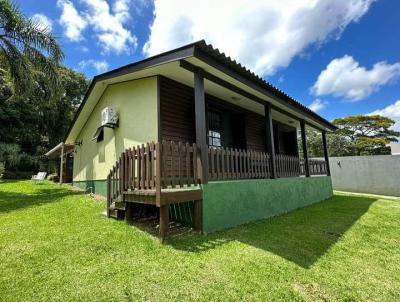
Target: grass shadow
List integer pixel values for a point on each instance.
(12, 201)
(301, 236)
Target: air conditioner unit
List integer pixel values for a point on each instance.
(109, 116)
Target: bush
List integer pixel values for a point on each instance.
(53, 177)
(1, 170)
(18, 174)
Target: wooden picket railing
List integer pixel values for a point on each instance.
(287, 166)
(317, 167)
(138, 167)
(227, 163)
(156, 166)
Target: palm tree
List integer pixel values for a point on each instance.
(26, 45)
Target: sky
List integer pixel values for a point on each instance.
(338, 57)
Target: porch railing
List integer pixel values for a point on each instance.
(316, 166)
(138, 167)
(287, 166)
(227, 163)
(174, 165)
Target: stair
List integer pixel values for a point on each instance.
(117, 210)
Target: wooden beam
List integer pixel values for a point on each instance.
(304, 144)
(270, 138)
(325, 146)
(164, 222)
(197, 217)
(128, 212)
(201, 135)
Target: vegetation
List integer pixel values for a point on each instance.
(56, 246)
(357, 135)
(38, 97)
(36, 122)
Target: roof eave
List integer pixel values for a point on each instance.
(169, 56)
(235, 70)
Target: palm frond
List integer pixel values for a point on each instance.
(25, 43)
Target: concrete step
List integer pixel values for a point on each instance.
(117, 214)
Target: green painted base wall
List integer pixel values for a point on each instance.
(230, 203)
(95, 186)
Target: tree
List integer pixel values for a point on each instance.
(36, 121)
(26, 45)
(338, 145)
(368, 134)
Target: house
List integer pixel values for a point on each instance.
(192, 131)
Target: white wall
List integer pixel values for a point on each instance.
(378, 174)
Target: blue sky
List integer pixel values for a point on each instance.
(340, 57)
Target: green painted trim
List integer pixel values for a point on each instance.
(230, 203)
(95, 186)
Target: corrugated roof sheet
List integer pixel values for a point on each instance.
(247, 73)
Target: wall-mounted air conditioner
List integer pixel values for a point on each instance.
(109, 116)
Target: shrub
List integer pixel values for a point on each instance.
(18, 174)
(53, 177)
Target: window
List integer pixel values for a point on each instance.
(214, 128)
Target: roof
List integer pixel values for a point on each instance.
(56, 151)
(205, 52)
(247, 73)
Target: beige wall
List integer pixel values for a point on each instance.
(136, 104)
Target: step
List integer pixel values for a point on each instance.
(120, 205)
(117, 214)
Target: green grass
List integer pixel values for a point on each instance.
(56, 246)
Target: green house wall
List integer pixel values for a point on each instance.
(98, 187)
(230, 203)
(136, 104)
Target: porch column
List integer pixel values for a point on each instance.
(326, 155)
(304, 143)
(201, 135)
(62, 163)
(270, 137)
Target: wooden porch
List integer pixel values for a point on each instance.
(204, 138)
(165, 173)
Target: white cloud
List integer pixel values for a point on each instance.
(72, 22)
(317, 105)
(265, 35)
(43, 20)
(346, 78)
(100, 66)
(392, 111)
(107, 22)
(108, 25)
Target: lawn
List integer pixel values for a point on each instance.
(56, 246)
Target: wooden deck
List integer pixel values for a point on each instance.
(167, 196)
(161, 174)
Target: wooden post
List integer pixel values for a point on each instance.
(128, 212)
(197, 215)
(164, 221)
(201, 135)
(325, 145)
(304, 144)
(62, 163)
(108, 194)
(270, 138)
(158, 173)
